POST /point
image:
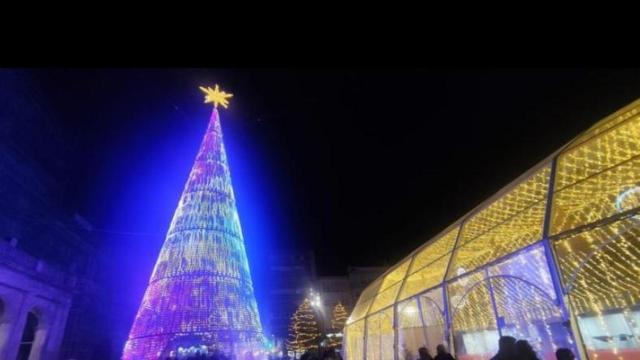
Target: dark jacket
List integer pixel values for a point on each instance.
(503, 356)
(444, 357)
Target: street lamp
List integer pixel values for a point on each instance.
(316, 302)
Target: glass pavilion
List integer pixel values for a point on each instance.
(553, 258)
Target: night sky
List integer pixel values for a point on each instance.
(360, 166)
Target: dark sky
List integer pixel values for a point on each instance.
(361, 166)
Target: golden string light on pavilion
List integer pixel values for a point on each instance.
(560, 245)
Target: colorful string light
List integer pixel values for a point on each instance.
(200, 292)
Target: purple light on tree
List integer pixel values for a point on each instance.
(200, 293)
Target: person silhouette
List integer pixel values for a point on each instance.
(524, 351)
(506, 349)
(442, 354)
(564, 354)
(424, 354)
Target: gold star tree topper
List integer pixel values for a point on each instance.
(216, 96)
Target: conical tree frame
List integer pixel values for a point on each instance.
(200, 292)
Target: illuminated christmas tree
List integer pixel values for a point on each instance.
(200, 295)
(337, 324)
(303, 331)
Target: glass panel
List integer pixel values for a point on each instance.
(432, 306)
(527, 303)
(527, 312)
(354, 335)
(600, 176)
(601, 270)
(371, 290)
(611, 336)
(360, 310)
(517, 200)
(475, 331)
(380, 335)
(609, 122)
(426, 278)
(531, 266)
(434, 250)
(385, 298)
(28, 337)
(412, 334)
(362, 306)
(518, 232)
(373, 337)
(608, 149)
(598, 197)
(396, 275)
(457, 289)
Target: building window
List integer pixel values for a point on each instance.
(28, 336)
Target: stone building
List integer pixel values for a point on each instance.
(34, 305)
(291, 275)
(47, 252)
(342, 289)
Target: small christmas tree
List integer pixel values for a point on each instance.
(337, 325)
(303, 331)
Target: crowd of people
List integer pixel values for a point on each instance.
(201, 357)
(209, 355)
(321, 354)
(508, 349)
(441, 354)
(511, 349)
(313, 354)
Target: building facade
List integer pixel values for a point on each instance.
(47, 255)
(331, 290)
(34, 305)
(553, 258)
(341, 289)
(291, 275)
